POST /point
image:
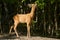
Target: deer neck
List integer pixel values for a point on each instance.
(32, 11)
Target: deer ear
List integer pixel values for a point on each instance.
(30, 5)
(36, 4)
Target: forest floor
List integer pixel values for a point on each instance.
(13, 37)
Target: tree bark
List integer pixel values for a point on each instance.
(55, 17)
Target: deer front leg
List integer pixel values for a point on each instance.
(11, 29)
(28, 30)
(15, 26)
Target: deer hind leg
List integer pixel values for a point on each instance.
(15, 26)
(28, 30)
(11, 29)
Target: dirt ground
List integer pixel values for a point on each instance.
(32, 38)
(13, 37)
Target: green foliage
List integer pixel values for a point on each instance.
(33, 22)
(57, 32)
(23, 1)
(40, 3)
(52, 1)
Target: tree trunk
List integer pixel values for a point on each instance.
(44, 25)
(49, 18)
(55, 18)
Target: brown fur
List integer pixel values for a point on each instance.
(23, 18)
